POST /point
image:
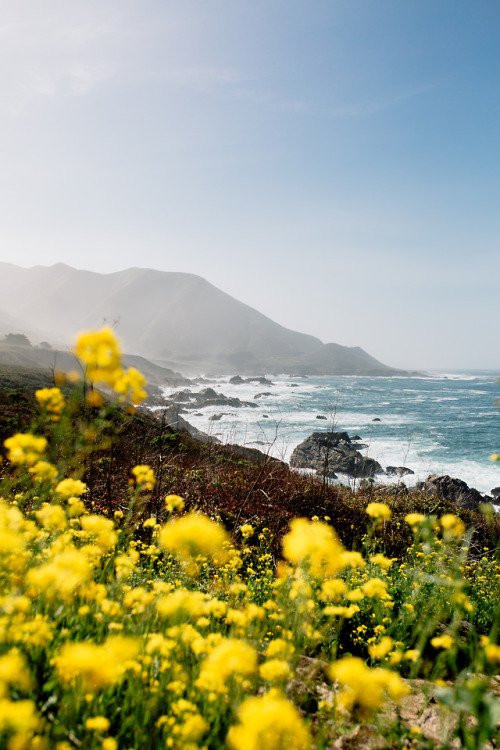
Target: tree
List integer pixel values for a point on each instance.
(17, 339)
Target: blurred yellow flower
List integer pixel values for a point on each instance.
(174, 502)
(144, 477)
(195, 534)
(269, 722)
(316, 544)
(100, 352)
(71, 488)
(378, 511)
(25, 449)
(52, 400)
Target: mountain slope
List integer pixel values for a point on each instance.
(178, 319)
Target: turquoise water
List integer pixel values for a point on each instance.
(447, 423)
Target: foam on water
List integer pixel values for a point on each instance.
(447, 423)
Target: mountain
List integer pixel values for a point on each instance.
(178, 320)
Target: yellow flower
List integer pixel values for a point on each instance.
(52, 400)
(52, 517)
(332, 590)
(365, 688)
(144, 477)
(101, 528)
(442, 641)
(415, 519)
(495, 457)
(382, 561)
(174, 502)
(375, 587)
(43, 471)
(246, 530)
(316, 544)
(378, 511)
(100, 352)
(269, 722)
(274, 670)
(62, 575)
(452, 526)
(71, 488)
(492, 653)
(130, 384)
(195, 534)
(231, 657)
(379, 650)
(97, 666)
(97, 724)
(14, 670)
(25, 449)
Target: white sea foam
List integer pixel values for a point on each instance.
(431, 425)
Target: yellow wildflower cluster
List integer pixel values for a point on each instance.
(52, 400)
(101, 354)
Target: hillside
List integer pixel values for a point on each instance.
(179, 320)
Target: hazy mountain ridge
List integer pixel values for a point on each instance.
(178, 319)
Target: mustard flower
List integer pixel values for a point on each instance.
(71, 488)
(52, 400)
(316, 544)
(25, 449)
(381, 649)
(230, 658)
(101, 528)
(97, 724)
(174, 502)
(100, 352)
(442, 641)
(452, 526)
(97, 666)
(52, 517)
(269, 722)
(247, 530)
(43, 471)
(130, 384)
(415, 519)
(144, 477)
(378, 511)
(364, 688)
(274, 670)
(195, 534)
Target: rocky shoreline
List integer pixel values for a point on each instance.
(327, 453)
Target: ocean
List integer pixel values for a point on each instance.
(447, 423)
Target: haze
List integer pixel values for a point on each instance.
(334, 164)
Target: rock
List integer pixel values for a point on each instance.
(238, 380)
(207, 397)
(398, 471)
(261, 395)
(364, 737)
(216, 417)
(449, 488)
(377, 419)
(265, 416)
(320, 416)
(495, 492)
(261, 380)
(253, 455)
(333, 452)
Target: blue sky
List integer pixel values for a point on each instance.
(333, 163)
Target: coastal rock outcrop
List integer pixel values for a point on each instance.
(331, 452)
(398, 471)
(207, 397)
(452, 489)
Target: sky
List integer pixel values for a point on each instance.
(333, 163)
